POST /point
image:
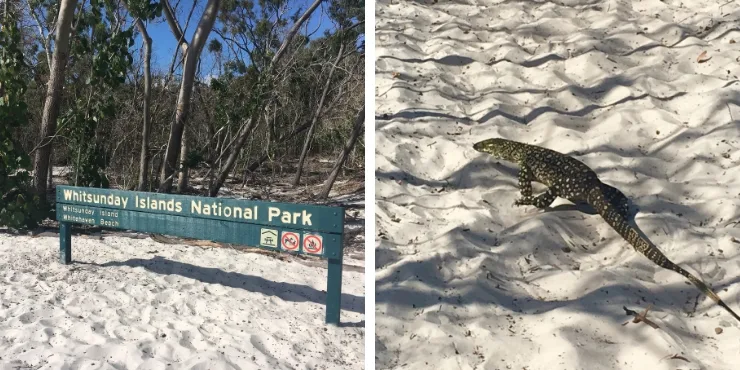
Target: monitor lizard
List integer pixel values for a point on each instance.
(568, 178)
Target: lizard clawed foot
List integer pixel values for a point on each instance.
(524, 201)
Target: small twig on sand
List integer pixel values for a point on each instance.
(675, 357)
(640, 317)
(730, 110)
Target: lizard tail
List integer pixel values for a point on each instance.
(619, 223)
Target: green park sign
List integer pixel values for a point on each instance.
(288, 227)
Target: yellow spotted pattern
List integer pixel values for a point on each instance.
(568, 178)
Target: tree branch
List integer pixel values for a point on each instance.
(169, 14)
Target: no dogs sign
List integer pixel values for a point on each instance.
(290, 241)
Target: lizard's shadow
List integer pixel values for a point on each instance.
(588, 209)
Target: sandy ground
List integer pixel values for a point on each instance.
(464, 280)
(128, 303)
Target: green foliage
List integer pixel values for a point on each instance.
(236, 96)
(334, 136)
(85, 147)
(19, 207)
(193, 159)
(257, 22)
(214, 46)
(347, 12)
(51, 9)
(100, 57)
(145, 9)
(235, 67)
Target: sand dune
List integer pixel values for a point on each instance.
(467, 281)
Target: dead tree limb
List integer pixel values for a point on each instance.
(316, 116)
(357, 129)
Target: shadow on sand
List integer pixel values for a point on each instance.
(285, 291)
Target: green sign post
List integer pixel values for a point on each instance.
(296, 228)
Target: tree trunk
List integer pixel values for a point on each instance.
(50, 179)
(53, 96)
(186, 89)
(356, 131)
(182, 179)
(146, 129)
(316, 115)
(221, 178)
(231, 160)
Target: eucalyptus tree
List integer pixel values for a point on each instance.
(142, 11)
(53, 95)
(191, 52)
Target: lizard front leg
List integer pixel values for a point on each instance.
(525, 187)
(541, 201)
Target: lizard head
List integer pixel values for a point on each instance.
(499, 148)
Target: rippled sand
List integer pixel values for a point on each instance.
(465, 280)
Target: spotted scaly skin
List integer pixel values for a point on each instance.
(568, 178)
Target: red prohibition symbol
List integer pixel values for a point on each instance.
(313, 244)
(289, 241)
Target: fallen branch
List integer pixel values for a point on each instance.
(640, 317)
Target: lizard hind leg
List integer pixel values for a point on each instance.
(617, 199)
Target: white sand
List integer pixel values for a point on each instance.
(467, 281)
(137, 304)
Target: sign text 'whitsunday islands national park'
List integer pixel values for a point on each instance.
(194, 207)
(288, 227)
